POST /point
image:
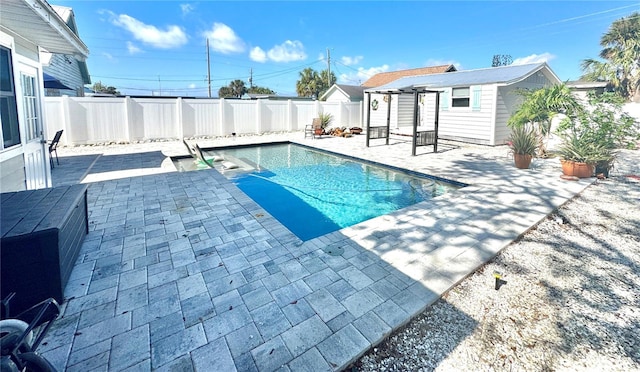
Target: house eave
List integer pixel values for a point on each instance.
(35, 21)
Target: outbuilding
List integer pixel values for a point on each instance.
(475, 105)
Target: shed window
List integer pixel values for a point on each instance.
(8, 108)
(460, 97)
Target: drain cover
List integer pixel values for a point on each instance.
(333, 251)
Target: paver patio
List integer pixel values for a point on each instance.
(182, 271)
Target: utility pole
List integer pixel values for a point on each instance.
(208, 69)
(328, 68)
(159, 84)
(251, 78)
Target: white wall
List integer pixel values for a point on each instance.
(379, 116)
(91, 120)
(468, 124)
(508, 100)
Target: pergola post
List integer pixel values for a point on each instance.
(388, 115)
(414, 138)
(368, 116)
(437, 116)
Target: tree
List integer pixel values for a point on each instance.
(621, 55)
(260, 90)
(501, 60)
(307, 85)
(540, 106)
(225, 92)
(235, 89)
(238, 88)
(314, 84)
(98, 87)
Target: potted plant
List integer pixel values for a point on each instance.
(578, 155)
(523, 143)
(590, 138)
(325, 119)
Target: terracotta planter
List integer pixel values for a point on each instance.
(576, 169)
(523, 161)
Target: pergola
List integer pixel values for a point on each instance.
(419, 138)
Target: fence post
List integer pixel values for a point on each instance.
(290, 115)
(66, 119)
(127, 118)
(179, 117)
(223, 124)
(258, 116)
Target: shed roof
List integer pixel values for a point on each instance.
(387, 77)
(504, 75)
(353, 91)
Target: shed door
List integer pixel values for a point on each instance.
(35, 157)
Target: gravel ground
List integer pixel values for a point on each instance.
(571, 300)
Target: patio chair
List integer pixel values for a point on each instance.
(314, 129)
(200, 156)
(53, 147)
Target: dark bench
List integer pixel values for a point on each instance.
(378, 132)
(41, 234)
(426, 138)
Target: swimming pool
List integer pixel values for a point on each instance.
(313, 192)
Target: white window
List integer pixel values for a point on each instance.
(8, 107)
(30, 103)
(460, 97)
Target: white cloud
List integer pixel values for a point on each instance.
(186, 8)
(107, 56)
(258, 55)
(172, 37)
(287, 52)
(192, 86)
(350, 61)
(224, 39)
(132, 48)
(362, 75)
(534, 58)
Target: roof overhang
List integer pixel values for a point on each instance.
(543, 68)
(411, 90)
(36, 21)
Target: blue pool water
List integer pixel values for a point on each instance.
(314, 193)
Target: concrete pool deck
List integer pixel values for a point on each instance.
(182, 271)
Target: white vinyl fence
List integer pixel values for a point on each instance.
(92, 120)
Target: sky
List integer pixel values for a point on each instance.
(159, 47)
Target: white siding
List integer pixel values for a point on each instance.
(508, 100)
(337, 96)
(65, 69)
(461, 123)
(379, 116)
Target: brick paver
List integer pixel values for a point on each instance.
(182, 271)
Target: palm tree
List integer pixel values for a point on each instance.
(307, 86)
(540, 106)
(238, 88)
(621, 52)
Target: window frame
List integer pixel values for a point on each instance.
(10, 98)
(466, 98)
